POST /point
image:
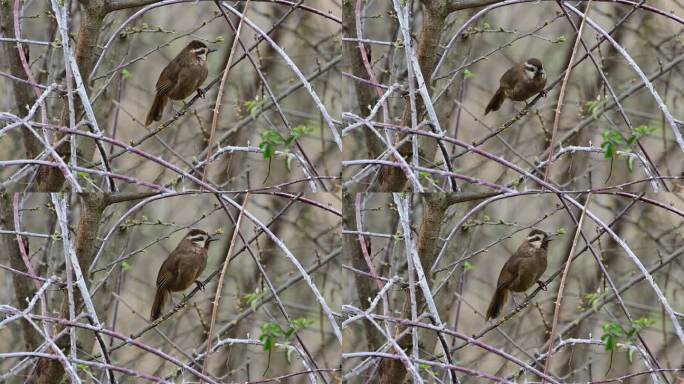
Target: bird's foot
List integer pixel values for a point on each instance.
(542, 285)
(543, 93)
(200, 285)
(201, 93)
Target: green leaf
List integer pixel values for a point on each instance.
(595, 298)
(609, 341)
(268, 342)
(643, 130)
(272, 136)
(126, 73)
(301, 130)
(302, 323)
(268, 149)
(467, 265)
(612, 140)
(269, 334)
(288, 162)
(467, 73)
(595, 107)
(288, 355)
(644, 322)
(608, 150)
(631, 140)
(254, 107)
(270, 139)
(125, 266)
(253, 298)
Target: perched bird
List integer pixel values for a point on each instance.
(521, 271)
(183, 76)
(519, 83)
(181, 268)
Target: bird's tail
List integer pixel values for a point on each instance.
(155, 113)
(159, 301)
(496, 101)
(497, 303)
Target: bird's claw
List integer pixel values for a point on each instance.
(543, 93)
(201, 93)
(200, 285)
(542, 285)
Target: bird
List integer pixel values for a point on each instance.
(521, 271)
(180, 78)
(181, 268)
(519, 83)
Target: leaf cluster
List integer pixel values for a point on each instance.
(272, 141)
(614, 333)
(614, 141)
(272, 333)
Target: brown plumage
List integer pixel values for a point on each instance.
(183, 76)
(521, 271)
(181, 268)
(519, 83)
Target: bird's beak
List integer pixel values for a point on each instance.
(213, 238)
(552, 237)
(210, 50)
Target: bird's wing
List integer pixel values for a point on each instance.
(508, 79)
(506, 276)
(165, 271)
(511, 268)
(166, 78)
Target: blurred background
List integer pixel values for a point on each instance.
(462, 263)
(122, 283)
(124, 86)
(469, 74)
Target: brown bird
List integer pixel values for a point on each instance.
(181, 268)
(183, 76)
(519, 83)
(521, 271)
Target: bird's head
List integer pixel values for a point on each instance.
(200, 238)
(538, 239)
(199, 49)
(534, 68)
